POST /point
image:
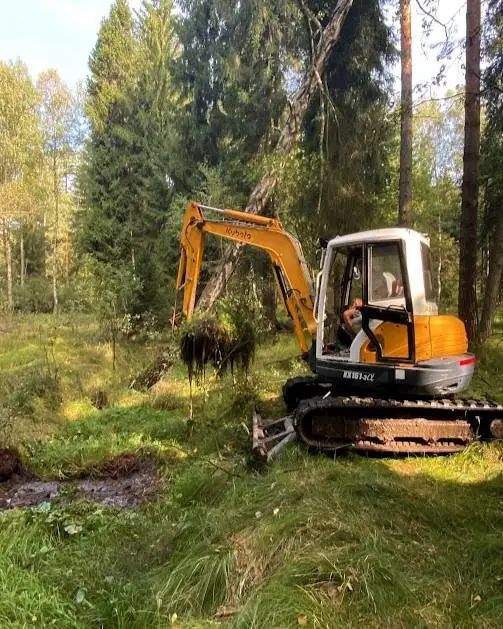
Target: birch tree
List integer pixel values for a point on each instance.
(19, 152)
(57, 119)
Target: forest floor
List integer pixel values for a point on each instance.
(130, 516)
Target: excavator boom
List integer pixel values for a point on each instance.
(290, 269)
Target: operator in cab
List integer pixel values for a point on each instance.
(353, 318)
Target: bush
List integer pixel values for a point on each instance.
(35, 296)
(20, 391)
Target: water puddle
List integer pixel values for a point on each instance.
(123, 482)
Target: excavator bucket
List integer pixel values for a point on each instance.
(271, 436)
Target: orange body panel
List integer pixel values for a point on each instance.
(436, 335)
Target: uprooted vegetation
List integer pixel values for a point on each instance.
(217, 341)
(311, 541)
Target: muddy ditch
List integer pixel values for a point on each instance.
(122, 482)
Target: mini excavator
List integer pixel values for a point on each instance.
(387, 366)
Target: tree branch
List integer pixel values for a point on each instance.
(311, 17)
(434, 18)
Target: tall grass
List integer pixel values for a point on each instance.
(311, 541)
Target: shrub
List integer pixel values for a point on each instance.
(34, 296)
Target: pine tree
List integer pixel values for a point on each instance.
(467, 302)
(350, 125)
(234, 58)
(492, 157)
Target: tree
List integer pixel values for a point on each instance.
(437, 171)
(134, 164)
(467, 302)
(108, 178)
(233, 62)
(108, 292)
(405, 184)
(492, 158)
(350, 127)
(57, 116)
(114, 65)
(288, 136)
(19, 152)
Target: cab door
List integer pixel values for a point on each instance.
(387, 314)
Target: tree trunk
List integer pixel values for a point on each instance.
(493, 282)
(8, 263)
(405, 185)
(294, 114)
(439, 266)
(467, 305)
(67, 258)
(269, 292)
(55, 241)
(21, 255)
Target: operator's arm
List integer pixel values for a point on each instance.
(348, 315)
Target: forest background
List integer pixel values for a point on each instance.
(187, 100)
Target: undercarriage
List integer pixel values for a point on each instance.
(331, 423)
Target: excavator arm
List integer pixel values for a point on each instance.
(290, 269)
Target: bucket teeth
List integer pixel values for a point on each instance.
(271, 436)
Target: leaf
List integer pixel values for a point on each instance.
(221, 108)
(80, 596)
(302, 619)
(43, 507)
(73, 529)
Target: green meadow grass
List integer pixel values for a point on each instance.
(310, 541)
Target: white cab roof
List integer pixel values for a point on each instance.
(378, 235)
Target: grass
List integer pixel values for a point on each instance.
(311, 541)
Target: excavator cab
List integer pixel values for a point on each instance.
(400, 342)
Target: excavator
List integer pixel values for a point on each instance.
(387, 366)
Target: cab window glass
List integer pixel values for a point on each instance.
(355, 277)
(386, 276)
(429, 291)
(335, 285)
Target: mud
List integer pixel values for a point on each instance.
(122, 483)
(10, 464)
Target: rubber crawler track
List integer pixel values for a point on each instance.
(396, 426)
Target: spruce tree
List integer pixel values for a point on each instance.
(133, 164)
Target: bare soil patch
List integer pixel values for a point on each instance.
(122, 482)
(10, 464)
